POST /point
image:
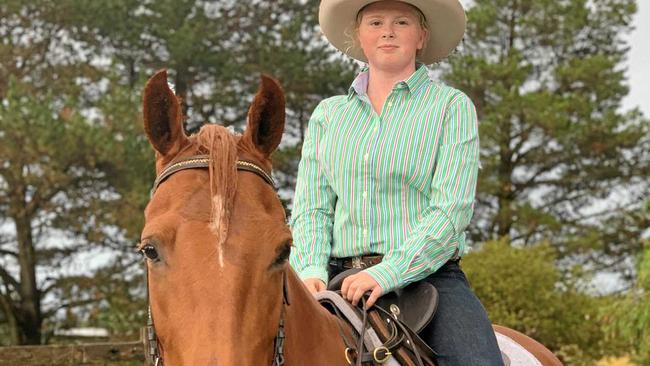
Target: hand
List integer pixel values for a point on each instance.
(314, 285)
(355, 286)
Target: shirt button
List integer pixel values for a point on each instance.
(365, 193)
(365, 157)
(390, 104)
(365, 232)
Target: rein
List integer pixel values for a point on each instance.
(203, 162)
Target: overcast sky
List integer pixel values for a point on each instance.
(639, 61)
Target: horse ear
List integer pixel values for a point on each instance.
(162, 116)
(266, 117)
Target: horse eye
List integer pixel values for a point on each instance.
(150, 252)
(284, 255)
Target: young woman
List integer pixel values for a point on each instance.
(388, 172)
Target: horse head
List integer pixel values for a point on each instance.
(215, 237)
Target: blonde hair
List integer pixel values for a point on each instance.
(219, 143)
(352, 34)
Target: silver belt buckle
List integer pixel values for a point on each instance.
(356, 262)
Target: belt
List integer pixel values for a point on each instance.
(362, 261)
(365, 261)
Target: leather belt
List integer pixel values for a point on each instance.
(363, 261)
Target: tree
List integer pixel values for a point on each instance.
(561, 161)
(53, 185)
(215, 53)
(78, 76)
(628, 318)
(63, 172)
(521, 288)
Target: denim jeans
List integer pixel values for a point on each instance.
(460, 333)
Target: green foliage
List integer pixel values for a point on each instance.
(521, 288)
(215, 53)
(628, 319)
(548, 80)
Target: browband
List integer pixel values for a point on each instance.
(203, 162)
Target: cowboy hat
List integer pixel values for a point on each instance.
(445, 20)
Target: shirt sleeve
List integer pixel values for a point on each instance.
(452, 192)
(314, 201)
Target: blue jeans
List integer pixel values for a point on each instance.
(460, 333)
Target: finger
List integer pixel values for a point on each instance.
(356, 296)
(320, 286)
(374, 295)
(345, 286)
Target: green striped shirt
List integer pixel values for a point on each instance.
(401, 183)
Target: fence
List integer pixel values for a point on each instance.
(124, 353)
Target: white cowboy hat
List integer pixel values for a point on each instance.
(445, 19)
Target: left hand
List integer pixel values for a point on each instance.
(355, 286)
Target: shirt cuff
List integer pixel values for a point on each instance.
(387, 276)
(314, 271)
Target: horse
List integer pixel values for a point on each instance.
(216, 243)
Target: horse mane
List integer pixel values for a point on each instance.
(217, 142)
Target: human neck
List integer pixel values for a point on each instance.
(381, 81)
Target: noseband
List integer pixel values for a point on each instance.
(203, 162)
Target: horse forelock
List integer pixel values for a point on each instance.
(220, 145)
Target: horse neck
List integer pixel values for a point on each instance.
(313, 334)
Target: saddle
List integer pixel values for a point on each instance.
(415, 304)
(395, 320)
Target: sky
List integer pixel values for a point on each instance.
(638, 72)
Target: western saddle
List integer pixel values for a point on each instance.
(387, 332)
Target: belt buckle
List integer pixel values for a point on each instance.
(357, 263)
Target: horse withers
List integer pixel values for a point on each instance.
(220, 289)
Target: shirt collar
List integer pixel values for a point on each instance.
(416, 80)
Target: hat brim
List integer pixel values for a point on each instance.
(445, 19)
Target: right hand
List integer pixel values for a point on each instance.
(314, 285)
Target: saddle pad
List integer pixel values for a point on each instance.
(516, 354)
(417, 302)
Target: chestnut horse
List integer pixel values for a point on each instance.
(217, 243)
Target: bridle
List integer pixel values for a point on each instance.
(203, 162)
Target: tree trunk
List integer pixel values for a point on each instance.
(29, 306)
(504, 213)
(506, 166)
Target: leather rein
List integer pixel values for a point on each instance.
(203, 162)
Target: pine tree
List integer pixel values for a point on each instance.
(561, 160)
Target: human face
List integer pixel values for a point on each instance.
(390, 35)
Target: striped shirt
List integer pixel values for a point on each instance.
(401, 183)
